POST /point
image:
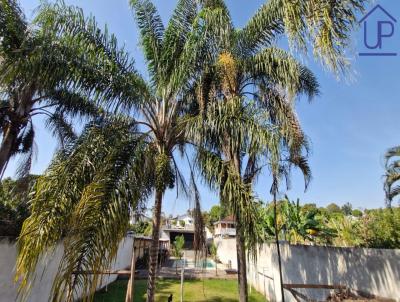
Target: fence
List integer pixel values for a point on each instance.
(46, 270)
(375, 271)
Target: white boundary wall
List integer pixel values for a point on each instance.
(376, 271)
(41, 287)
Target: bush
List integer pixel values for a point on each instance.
(381, 228)
(14, 207)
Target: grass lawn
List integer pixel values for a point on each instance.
(194, 291)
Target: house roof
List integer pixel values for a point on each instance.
(181, 217)
(227, 219)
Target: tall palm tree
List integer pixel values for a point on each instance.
(239, 136)
(246, 99)
(174, 56)
(42, 74)
(392, 176)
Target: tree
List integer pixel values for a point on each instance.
(174, 57)
(85, 198)
(333, 208)
(347, 209)
(309, 207)
(392, 176)
(42, 74)
(142, 228)
(380, 228)
(348, 231)
(107, 177)
(178, 244)
(214, 256)
(249, 70)
(217, 212)
(14, 208)
(356, 213)
(298, 225)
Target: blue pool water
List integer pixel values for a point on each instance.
(208, 263)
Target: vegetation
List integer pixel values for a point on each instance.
(333, 208)
(42, 74)
(94, 189)
(380, 228)
(295, 224)
(212, 290)
(14, 208)
(214, 256)
(375, 228)
(144, 228)
(177, 250)
(247, 119)
(216, 213)
(392, 177)
(229, 93)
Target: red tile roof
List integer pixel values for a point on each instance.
(227, 219)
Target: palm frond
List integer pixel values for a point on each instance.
(74, 104)
(392, 176)
(13, 27)
(277, 66)
(262, 29)
(391, 153)
(102, 170)
(176, 35)
(61, 128)
(86, 58)
(324, 25)
(151, 30)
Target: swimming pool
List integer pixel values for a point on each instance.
(190, 263)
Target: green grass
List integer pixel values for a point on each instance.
(194, 291)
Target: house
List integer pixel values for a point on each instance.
(180, 225)
(225, 227)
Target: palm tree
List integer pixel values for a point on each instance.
(239, 138)
(42, 74)
(246, 100)
(101, 195)
(392, 176)
(85, 198)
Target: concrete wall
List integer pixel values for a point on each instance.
(45, 272)
(375, 271)
(226, 250)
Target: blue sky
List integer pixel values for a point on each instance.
(350, 124)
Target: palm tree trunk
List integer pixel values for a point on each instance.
(241, 262)
(154, 246)
(7, 145)
(240, 246)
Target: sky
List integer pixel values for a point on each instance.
(350, 124)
